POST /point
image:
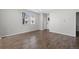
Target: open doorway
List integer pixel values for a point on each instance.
(45, 21)
(77, 24)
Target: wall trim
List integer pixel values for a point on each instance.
(63, 34)
(19, 33)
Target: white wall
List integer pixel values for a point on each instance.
(2, 26)
(12, 22)
(63, 22)
(41, 21)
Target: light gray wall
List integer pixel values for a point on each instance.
(12, 22)
(63, 22)
(2, 26)
(41, 21)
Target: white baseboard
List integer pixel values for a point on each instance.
(63, 34)
(17, 33)
(14, 34)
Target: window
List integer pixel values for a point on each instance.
(28, 18)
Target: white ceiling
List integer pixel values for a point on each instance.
(51, 10)
(40, 10)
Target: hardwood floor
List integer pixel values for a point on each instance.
(39, 40)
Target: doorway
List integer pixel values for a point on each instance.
(77, 24)
(45, 21)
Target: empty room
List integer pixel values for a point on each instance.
(38, 29)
